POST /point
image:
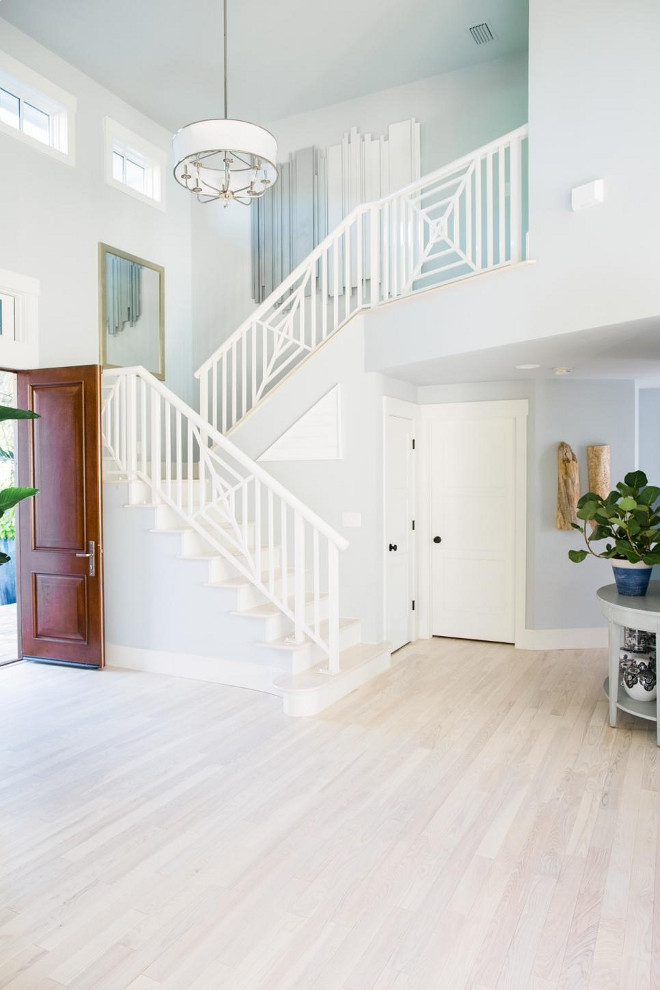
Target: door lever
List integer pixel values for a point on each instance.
(91, 556)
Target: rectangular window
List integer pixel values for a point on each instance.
(35, 110)
(134, 165)
(10, 108)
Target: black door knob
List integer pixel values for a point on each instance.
(437, 539)
(392, 546)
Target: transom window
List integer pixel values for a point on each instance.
(133, 165)
(35, 110)
(131, 173)
(24, 116)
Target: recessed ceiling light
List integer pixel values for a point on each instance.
(562, 371)
(527, 367)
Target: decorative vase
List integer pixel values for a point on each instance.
(638, 672)
(638, 641)
(631, 579)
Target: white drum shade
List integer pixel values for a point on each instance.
(225, 159)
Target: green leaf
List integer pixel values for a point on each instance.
(6, 412)
(588, 497)
(624, 489)
(587, 511)
(12, 496)
(577, 526)
(4, 558)
(636, 479)
(577, 556)
(650, 495)
(601, 533)
(652, 558)
(627, 504)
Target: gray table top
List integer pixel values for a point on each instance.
(644, 603)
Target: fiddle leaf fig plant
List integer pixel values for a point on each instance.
(9, 497)
(628, 519)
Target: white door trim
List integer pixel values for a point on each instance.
(509, 408)
(407, 410)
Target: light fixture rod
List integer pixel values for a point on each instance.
(224, 26)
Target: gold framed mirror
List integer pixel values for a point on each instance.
(131, 311)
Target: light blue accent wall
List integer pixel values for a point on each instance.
(562, 594)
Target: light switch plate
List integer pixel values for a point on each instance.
(590, 194)
(351, 520)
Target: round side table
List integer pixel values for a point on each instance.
(635, 613)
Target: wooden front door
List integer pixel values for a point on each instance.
(60, 530)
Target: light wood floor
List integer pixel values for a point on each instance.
(467, 821)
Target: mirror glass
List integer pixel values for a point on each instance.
(131, 308)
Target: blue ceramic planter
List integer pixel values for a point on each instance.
(632, 581)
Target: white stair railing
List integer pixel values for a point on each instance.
(465, 218)
(249, 518)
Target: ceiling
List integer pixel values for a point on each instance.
(622, 351)
(285, 57)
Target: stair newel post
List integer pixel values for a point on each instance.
(333, 608)
(132, 426)
(156, 456)
(299, 577)
(515, 198)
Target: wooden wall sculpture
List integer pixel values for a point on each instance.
(598, 469)
(568, 487)
(317, 188)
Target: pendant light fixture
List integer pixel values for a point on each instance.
(225, 159)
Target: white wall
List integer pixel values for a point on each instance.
(594, 76)
(458, 111)
(54, 215)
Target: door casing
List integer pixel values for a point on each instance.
(406, 410)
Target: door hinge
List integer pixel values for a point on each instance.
(413, 524)
(413, 605)
(413, 443)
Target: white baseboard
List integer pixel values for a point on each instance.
(562, 639)
(234, 673)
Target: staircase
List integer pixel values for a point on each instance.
(463, 219)
(266, 568)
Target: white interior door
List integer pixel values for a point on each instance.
(399, 534)
(473, 489)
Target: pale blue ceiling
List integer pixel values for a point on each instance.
(286, 57)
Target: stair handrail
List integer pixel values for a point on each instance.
(220, 440)
(336, 233)
(283, 548)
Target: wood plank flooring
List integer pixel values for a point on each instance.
(469, 820)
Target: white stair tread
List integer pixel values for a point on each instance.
(239, 581)
(267, 610)
(349, 660)
(283, 643)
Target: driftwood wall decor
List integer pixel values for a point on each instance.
(568, 487)
(598, 469)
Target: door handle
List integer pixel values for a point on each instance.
(437, 539)
(392, 546)
(91, 556)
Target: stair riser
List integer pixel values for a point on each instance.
(298, 660)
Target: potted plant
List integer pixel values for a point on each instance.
(630, 523)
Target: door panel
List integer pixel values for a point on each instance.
(61, 584)
(472, 512)
(399, 432)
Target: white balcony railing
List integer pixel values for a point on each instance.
(465, 218)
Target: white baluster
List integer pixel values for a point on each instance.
(299, 577)
(515, 199)
(333, 608)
